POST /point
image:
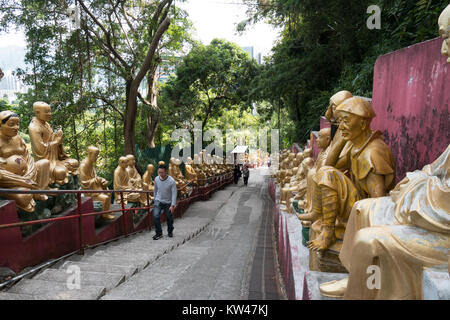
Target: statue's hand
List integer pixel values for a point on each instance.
(325, 239)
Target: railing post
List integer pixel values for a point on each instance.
(124, 218)
(80, 223)
(149, 212)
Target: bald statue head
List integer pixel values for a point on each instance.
(150, 169)
(42, 111)
(324, 138)
(123, 162)
(93, 153)
(131, 160)
(444, 31)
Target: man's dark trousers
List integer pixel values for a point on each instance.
(158, 209)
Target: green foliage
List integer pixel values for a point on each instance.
(325, 47)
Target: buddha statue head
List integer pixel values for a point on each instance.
(9, 124)
(150, 169)
(131, 160)
(189, 160)
(324, 139)
(307, 154)
(161, 163)
(336, 100)
(444, 31)
(93, 153)
(354, 117)
(123, 162)
(42, 111)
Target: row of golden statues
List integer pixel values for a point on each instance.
(349, 199)
(49, 164)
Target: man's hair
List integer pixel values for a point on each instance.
(162, 166)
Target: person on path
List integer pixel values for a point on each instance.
(236, 173)
(165, 191)
(245, 173)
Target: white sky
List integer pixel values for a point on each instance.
(212, 19)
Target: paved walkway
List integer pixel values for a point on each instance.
(231, 259)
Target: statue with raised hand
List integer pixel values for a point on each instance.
(47, 144)
(371, 170)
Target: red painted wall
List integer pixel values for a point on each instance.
(411, 95)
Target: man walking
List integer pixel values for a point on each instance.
(245, 173)
(165, 192)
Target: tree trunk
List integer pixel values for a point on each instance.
(155, 115)
(130, 118)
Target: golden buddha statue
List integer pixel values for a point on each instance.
(299, 175)
(47, 144)
(201, 176)
(300, 185)
(147, 179)
(122, 182)
(191, 175)
(323, 142)
(135, 177)
(402, 234)
(371, 170)
(18, 170)
(444, 31)
(90, 181)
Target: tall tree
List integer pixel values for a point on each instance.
(210, 79)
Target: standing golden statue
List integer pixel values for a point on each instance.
(201, 176)
(18, 170)
(47, 144)
(89, 180)
(371, 170)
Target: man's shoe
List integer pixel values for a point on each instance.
(157, 236)
(170, 235)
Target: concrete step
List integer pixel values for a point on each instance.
(16, 296)
(42, 289)
(127, 271)
(107, 280)
(117, 260)
(138, 254)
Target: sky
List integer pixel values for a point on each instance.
(212, 19)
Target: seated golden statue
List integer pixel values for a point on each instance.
(46, 144)
(122, 182)
(18, 170)
(300, 186)
(201, 176)
(299, 175)
(305, 200)
(135, 177)
(371, 169)
(90, 181)
(401, 234)
(147, 179)
(191, 175)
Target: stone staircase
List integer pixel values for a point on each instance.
(104, 267)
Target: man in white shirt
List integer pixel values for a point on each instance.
(165, 192)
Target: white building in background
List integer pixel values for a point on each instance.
(10, 85)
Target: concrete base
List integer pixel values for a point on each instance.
(312, 281)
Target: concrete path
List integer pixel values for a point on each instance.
(222, 249)
(231, 259)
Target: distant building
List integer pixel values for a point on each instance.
(249, 50)
(10, 85)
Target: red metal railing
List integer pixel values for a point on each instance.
(81, 215)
